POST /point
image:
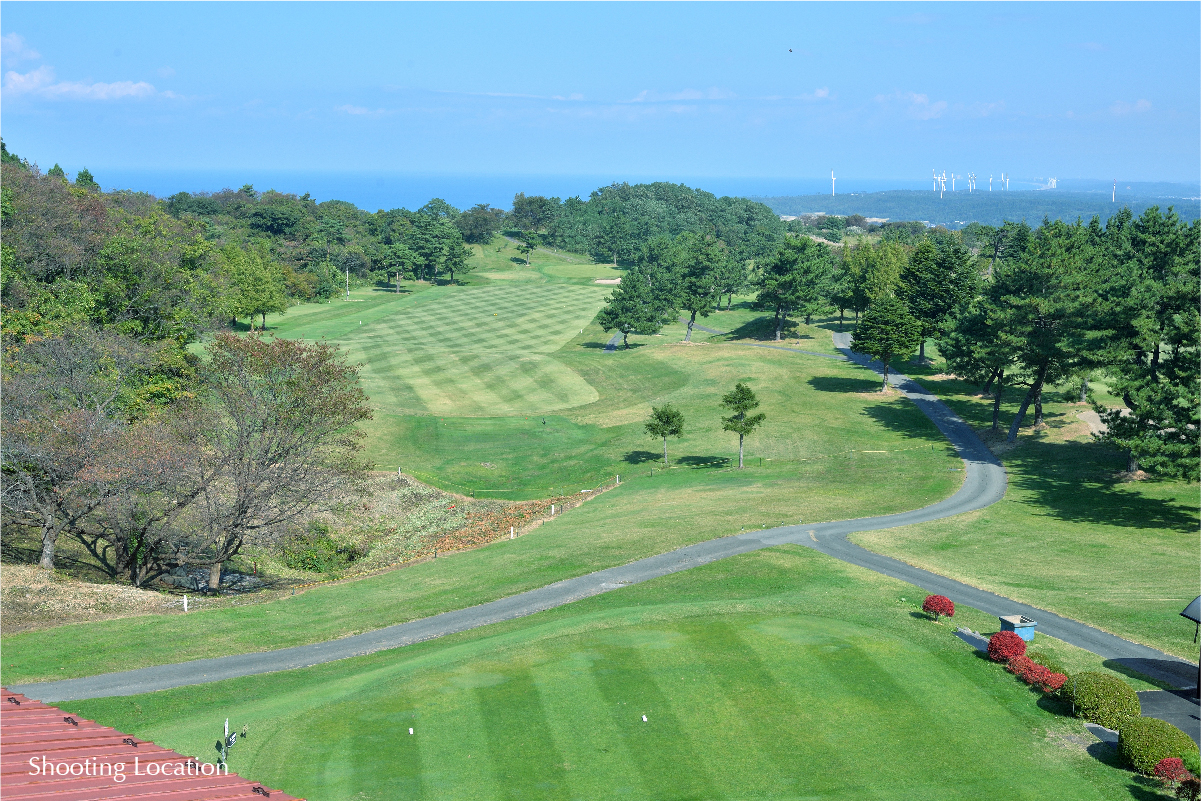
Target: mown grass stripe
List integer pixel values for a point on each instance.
(661, 748)
(525, 759)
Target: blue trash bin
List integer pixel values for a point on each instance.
(1021, 624)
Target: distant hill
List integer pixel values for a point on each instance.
(954, 210)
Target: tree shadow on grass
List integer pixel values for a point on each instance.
(641, 457)
(763, 329)
(1076, 481)
(710, 462)
(1164, 673)
(825, 383)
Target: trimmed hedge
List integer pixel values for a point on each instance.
(1101, 698)
(1005, 645)
(1047, 661)
(1144, 742)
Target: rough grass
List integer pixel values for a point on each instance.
(780, 674)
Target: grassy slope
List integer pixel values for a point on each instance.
(781, 674)
(1070, 535)
(812, 405)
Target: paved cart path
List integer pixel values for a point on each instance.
(984, 484)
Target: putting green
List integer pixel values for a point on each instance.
(461, 351)
(751, 683)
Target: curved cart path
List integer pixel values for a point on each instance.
(984, 484)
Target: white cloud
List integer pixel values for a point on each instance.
(647, 96)
(166, 72)
(14, 50)
(1122, 107)
(41, 83)
(915, 105)
(360, 111)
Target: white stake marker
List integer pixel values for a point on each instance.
(644, 718)
(410, 731)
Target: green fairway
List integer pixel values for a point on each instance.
(459, 350)
(781, 674)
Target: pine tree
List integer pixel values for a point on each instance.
(887, 333)
(741, 401)
(637, 305)
(938, 279)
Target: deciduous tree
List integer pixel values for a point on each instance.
(279, 441)
(665, 421)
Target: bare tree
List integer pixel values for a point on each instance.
(61, 410)
(146, 484)
(278, 442)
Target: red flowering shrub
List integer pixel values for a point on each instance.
(1005, 645)
(1170, 771)
(938, 605)
(1018, 665)
(1054, 682)
(1035, 674)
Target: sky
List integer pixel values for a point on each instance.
(767, 93)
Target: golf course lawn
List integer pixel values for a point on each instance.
(1070, 535)
(831, 449)
(642, 517)
(780, 674)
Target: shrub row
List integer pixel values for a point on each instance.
(1035, 674)
(1005, 645)
(1102, 699)
(1146, 744)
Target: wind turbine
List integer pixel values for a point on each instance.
(1114, 199)
(989, 183)
(942, 186)
(934, 173)
(831, 183)
(953, 182)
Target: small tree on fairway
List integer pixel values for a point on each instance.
(666, 421)
(741, 401)
(886, 333)
(527, 244)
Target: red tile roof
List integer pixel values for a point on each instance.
(76, 760)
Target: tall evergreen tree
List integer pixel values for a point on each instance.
(887, 333)
(938, 279)
(796, 279)
(741, 401)
(1045, 304)
(699, 261)
(1150, 291)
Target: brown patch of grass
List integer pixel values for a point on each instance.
(34, 598)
